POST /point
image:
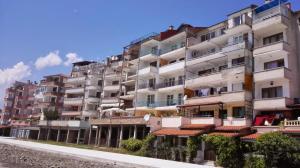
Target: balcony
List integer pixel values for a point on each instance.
(174, 68)
(150, 55)
(76, 79)
(243, 25)
(109, 100)
(235, 47)
(69, 113)
(122, 121)
(206, 120)
(89, 113)
(69, 124)
(146, 87)
(92, 100)
(75, 90)
(280, 46)
(168, 105)
(236, 122)
(111, 87)
(272, 74)
(174, 122)
(73, 101)
(170, 86)
(225, 97)
(170, 52)
(278, 103)
(271, 19)
(93, 87)
(150, 70)
(202, 57)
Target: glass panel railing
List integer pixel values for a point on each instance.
(270, 13)
(147, 52)
(168, 49)
(169, 84)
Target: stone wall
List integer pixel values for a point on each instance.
(40, 159)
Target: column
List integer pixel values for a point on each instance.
(121, 135)
(109, 136)
(90, 134)
(67, 139)
(78, 136)
(99, 136)
(58, 134)
(39, 134)
(97, 133)
(135, 132)
(48, 133)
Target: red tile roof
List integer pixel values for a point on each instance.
(177, 132)
(226, 134)
(197, 126)
(231, 128)
(251, 136)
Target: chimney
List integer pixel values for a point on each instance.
(171, 27)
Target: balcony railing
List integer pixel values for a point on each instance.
(200, 54)
(270, 13)
(147, 52)
(169, 84)
(147, 85)
(292, 123)
(171, 102)
(172, 48)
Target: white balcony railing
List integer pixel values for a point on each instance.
(292, 123)
(61, 123)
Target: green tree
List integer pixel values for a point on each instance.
(279, 150)
(228, 150)
(51, 115)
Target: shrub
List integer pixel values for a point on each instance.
(254, 161)
(227, 150)
(146, 149)
(132, 144)
(193, 144)
(279, 150)
(51, 115)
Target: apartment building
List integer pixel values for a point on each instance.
(18, 103)
(49, 95)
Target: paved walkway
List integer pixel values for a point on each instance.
(96, 155)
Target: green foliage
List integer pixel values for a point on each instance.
(146, 149)
(254, 161)
(132, 144)
(279, 150)
(227, 150)
(193, 144)
(51, 115)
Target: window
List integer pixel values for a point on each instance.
(152, 83)
(274, 64)
(150, 100)
(99, 82)
(203, 38)
(113, 94)
(223, 114)
(237, 87)
(273, 39)
(238, 112)
(237, 20)
(223, 31)
(170, 99)
(180, 80)
(54, 89)
(237, 39)
(170, 82)
(238, 61)
(180, 98)
(154, 64)
(115, 82)
(203, 113)
(272, 92)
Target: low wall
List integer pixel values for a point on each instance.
(24, 157)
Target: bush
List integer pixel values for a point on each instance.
(254, 161)
(279, 150)
(146, 149)
(193, 144)
(227, 149)
(132, 144)
(51, 115)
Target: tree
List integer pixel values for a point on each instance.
(279, 150)
(51, 115)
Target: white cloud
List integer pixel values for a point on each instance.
(17, 72)
(52, 59)
(71, 58)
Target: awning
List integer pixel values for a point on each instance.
(232, 128)
(250, 137)
(197, 126)
(225, 134)
(177, 132)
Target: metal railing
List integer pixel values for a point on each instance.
(279, 10)
(169, 84)
(147, 85)
(171, 102)
(172, 48)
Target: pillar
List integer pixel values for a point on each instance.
(78, 136)
(39, 134)
(97, 133)
(90, 134)
(121, 135)
(67, 139)
(99, 136)
(48, 134)
(109, 136)
(135, 132)
(58, 135)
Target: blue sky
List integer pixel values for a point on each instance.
(92, 29)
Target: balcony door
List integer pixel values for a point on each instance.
(152, 83)
(170, 100)
(150, 100)
(272, 92)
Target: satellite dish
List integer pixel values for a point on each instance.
(147, 117)
(185, 97)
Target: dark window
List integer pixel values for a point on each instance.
(204, 114)
(180, 80)
(53, 99)
(273, 39)
(98, 94)
(238, 112)
(170, 100)
(223, 114)
(223, 30)
(115, 82)
(180, 98)
(272, 92)
(181, 59)
(237, 20)
(154, 64)
(203, 38)
(274, 64)
(152, 83)
(99, 82)
(55, 89)
(150, 100)
(212, 34)
(113, 94)
(204, 72)
(238, 61)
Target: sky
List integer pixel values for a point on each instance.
(39, 38)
